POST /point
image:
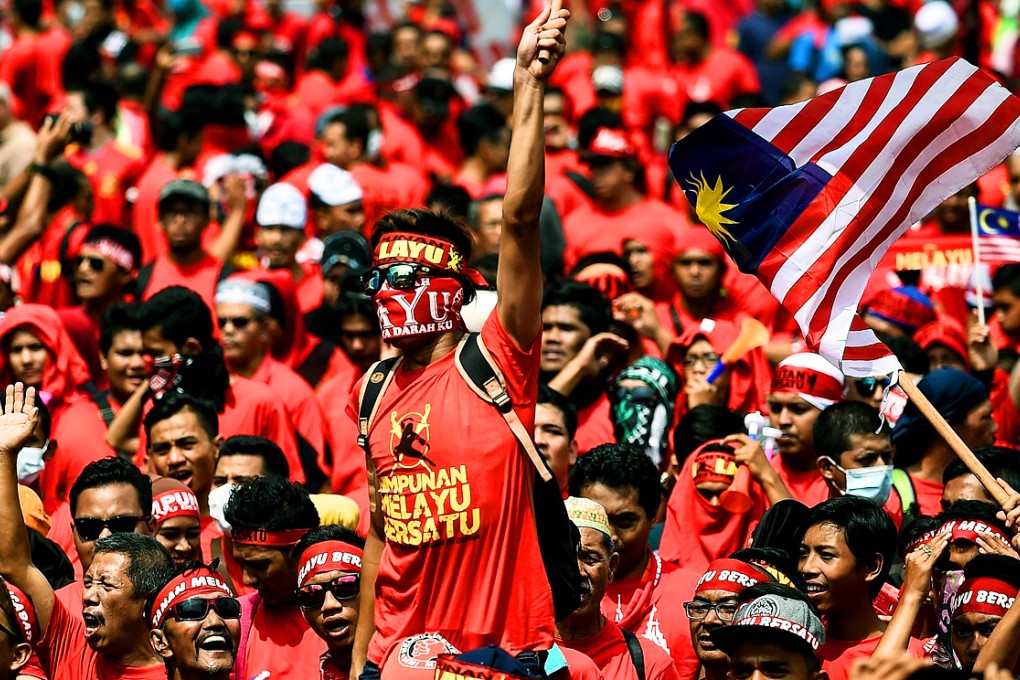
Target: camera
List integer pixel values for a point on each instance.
(80, 132)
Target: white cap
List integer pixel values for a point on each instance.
(937, 23)
(284, 205)
(608, 78)
(501, 77)
(853, 30)
(243, 292)
(333, 186)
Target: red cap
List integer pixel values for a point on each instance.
(415, 657)
(611, 143)
(946, 333)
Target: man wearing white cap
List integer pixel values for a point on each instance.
(803, 386)
(281, 217)
(335, 199)
(241, 310)
(617, 653)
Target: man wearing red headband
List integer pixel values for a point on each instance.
(974, 528)
(195, 623)
(329, 581)
(990, 588)
(450, 483)
(176, 519)
(20, 627)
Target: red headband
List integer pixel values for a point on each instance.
(983, 595)
(327, 556)
(970, 529)
(435, 253)
(730, 575)
(193, 583)
(920, 540)
(24, 612)
(281, 538)
(175, 503)
(800, 380)
(114, 252)
(713, 466)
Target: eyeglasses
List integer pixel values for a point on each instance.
(238, 322)
(403, 276)
(708, 360)
(95, 263)
(866, 386)
(343, 587)
(89, 528)
(698, 610)
(197, 608)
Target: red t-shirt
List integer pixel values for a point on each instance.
(309, 289)
(455, 489)
(253, 408)
(112, 169)
(648, 607)
(200, 277)
(348, 477)
(65, 655)
(580, 666)
(40, 270)
(594, 426)
(839, 655)
(84, 332)
(608, 649)
(278, 641)
(81, 436)
(721, 76)
(392, 187)
(807, 486)
(929, 495)
(592, 230)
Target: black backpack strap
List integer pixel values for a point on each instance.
(101, 398)
(316, 363)
(678, 327)
(637, 655)
(372, 387)
(581, 182)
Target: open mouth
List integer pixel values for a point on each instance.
(814, 590)
(181, 475)
(92, 623)
(215, 643)
(337, 628)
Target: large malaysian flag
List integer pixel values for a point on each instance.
(808, 197)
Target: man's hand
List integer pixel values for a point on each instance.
(638, 312)
(598, 351)
(748, 452)
(899, 667)
(699, 392)
(919, 563)
(1010, 512)
(236, 192)
(52, 138)
(984, 355)
(544, 34)
(17, 423)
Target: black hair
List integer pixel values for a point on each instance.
(357, 125)
(452, 198)
(110, 471)
(771, 560)
(330, 532)
(692, 109)
(747, 100)
(122, 237)
(66, 183)
(287, 156)
(29, 11)
(701, 424)
(7, 607)
(274, 462)
(271, 503)
(226, 30)
(592, 121)
(1003, 567)
(975, 510)
(601, 257)
(180, 313)
(355, 302)
(914, 529)
(114, 320)
(480, 123)
(327, 53)
(1002, 462)
(190, 566)
(866, 528)
(697, 23)
(619, 466)
(547, 395)
(836, 424)
(99, 96)
(45, 418)
(150, 565)
(911, 356)
(595, 311)
(172, 403)
(608, 42)
(1007, 277)
(792, 85)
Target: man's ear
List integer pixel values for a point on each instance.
(825, 467)
(191, 348)
(873, 567)
(614, 563)
(820, 675)
(217, 442)
(19, 656)
(157, 638)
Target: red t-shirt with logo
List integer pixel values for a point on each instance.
(112, 169)
(838, 656)
(455, 492)
(608, 649)
(278, 643)
(594, 426)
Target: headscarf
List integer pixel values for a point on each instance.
(646, 422)
(952, 392)
(661, 245)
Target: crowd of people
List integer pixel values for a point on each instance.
(335, 346)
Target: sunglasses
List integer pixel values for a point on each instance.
(89, 528)
(95, 263)
(344, 587)
(197, 608)
(238, 322)
(866, 386)
(401, 276)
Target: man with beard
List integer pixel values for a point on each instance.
(195, 625)
(616, 652)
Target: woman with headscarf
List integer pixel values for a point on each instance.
(37, 351)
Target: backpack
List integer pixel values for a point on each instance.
(637, 655)
(556, 540)
(903, 486)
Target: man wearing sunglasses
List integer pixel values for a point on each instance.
(195, 623)
(434, 431)
(329, 581)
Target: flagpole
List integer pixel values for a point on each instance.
(978, 274)
(953, 439)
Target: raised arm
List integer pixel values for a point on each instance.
(16, 426)
(519, 279)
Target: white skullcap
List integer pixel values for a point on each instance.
(282, 205)
(937, 23)
(607, 78)
(853, 30)
(333, 186)
(501, 77)
(242, 292)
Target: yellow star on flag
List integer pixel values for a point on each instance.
(710, 207)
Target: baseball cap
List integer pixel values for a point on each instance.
(501, 77)
(332, 186)
(772, 616)
(283, 205)
(608, 78)
(183, 188)
(610, 143)
(347, 248)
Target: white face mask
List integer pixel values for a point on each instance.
(31, 463)
(218, 499)
(874, 483)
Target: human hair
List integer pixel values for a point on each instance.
(481, 122)
(180, 313)
(1000, 461)
(619, 467)
(67, 184)
(287, 156)
(975, 510)
(28, 11)
(595, 311)
(608, 42)
(122, 237)
(549, 396)
(991, 565)
(172, 403)
(274, 462)
(702, 424)
(914, 529)
(150, 565)
(793, 84)
(761, 590)
(429, 223)
(330, 532)
(841, 421)
(453, 198)
(910, 355)
(110, 471)
(866, 528)
(601, 257)
(99, 96)
(767, 558)
(697, 23)
(271, 503)
(114, 320)
(356, 124)
(1007, 278)
(189, 567)
(356, 303)
(327, 53)
(7, 607)
(226, 30)
(592, 121)
(694, 109)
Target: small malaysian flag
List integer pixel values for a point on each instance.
(999, 234)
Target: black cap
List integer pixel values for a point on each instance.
(347, 248)
(183, 188)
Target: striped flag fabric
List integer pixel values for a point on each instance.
(998, 234)
(808, 197)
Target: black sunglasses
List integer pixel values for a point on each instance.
(239, 322)
(197, 608)
(866, 386)
(403, 276)
(89, 528)
(95, 263)
(343, 587)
